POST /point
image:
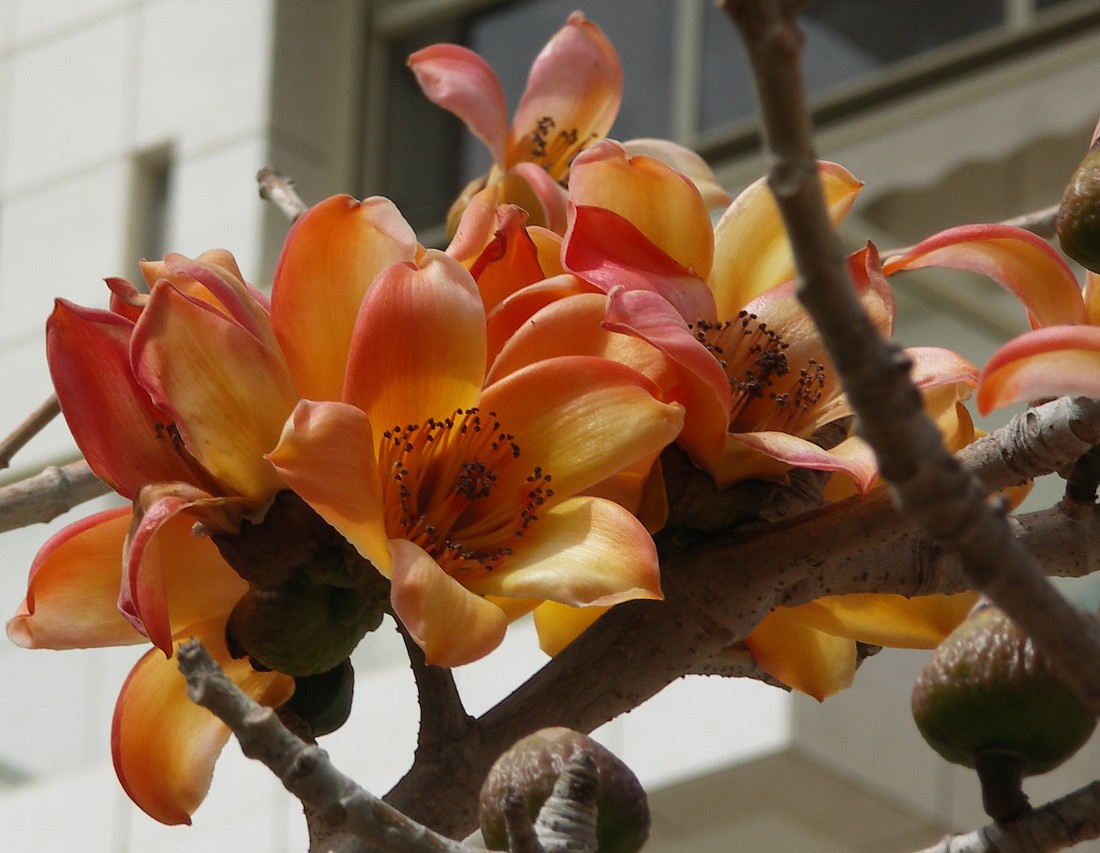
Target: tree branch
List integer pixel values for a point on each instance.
(28, 429)
(1057, 825)
(928, 482)
(305, 770)
(48, 494)
(276, 188)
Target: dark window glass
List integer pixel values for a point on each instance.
(420, 173)
(511, 37)
(845, 40)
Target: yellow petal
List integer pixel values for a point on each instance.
(660, 202)
(327, 455)
(580, 419)
(887, 620)
(451, 624)
(559, 624)
(227, 393)
(751, 249)
(581, 552)
(164, 745)
(803, 658)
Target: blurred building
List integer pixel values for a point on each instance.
(129, 128)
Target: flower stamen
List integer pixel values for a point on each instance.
(765, 394)
(555, 151)
(440, 472)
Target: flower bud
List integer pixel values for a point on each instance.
(301, 628)
(532, 767)
(1079, 213)
(989, 700)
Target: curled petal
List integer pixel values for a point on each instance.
(331, 256)
(660, 202)
(219, 275)
(1047, 362)
(573, 325)
(1021, 262)
(460, 81)
(887, 620)
(509, 262)
(451, 624)
(476, 225)
(117, 427)
(577, 82)
(855, 460)
(227, 392)
(608, 251)
(751, 249)
(559, 624)
(934, 366)
(581, 552)
(686, 161)
(327, 455)
(170, 575)
(72, 593)
(164, 745)
(803, 658)
(419, 344)
(653, 319)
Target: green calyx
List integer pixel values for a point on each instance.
(301, 628)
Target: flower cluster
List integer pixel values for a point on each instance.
(460, 437)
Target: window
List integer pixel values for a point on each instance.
(684, 75)
(150, 204)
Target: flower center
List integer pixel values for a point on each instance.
(766, 393)
(440, 483)
(554, 151)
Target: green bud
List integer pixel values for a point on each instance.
(989, 700)
(1079, 213)
(301, 628)
(324, 700)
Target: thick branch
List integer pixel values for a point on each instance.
(1059, 824)
(928, 482)
(715, 593)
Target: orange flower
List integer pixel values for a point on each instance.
(755, 380)
(470, 498)
(175, 397)
(571, 100)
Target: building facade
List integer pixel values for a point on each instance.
(129, 128)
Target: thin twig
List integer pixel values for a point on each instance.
(928, 482)
(48, 494)
(305, 770)
(34, 423)
(276, 188)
